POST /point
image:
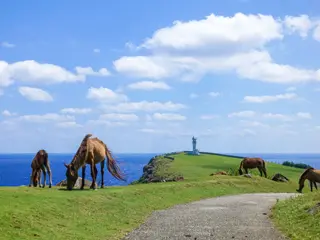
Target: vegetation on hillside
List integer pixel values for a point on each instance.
(296, 165)
(28, 213)
(293, 219)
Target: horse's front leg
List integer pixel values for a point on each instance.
(83, 176)
(39, 178)
(315, 185)
(246, 170)
(102, 173)
(311, 185)
(44, 176)
(30, 179)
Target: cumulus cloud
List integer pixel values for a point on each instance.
(291, 89)
(269, 98)
(119, 117)
(242, 114)
(145, 106)
(105, 95)
(7, 113)
(277, 116)
(214, 94)
(149, 85)
(44, 73)
(168, 117)
(90, 72)
(71, 124)
(301, 24)
(304, 115)
(76, 110)
(35, 94)
(217, 44)
(48, 117)
(96, 50)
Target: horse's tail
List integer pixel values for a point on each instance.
(305, 173)
(241, 165)
(112, 165)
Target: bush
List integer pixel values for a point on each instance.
(296, 165)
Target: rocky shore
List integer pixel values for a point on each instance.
(157, 170)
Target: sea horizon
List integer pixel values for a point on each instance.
(130, 163)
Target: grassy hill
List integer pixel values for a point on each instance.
(29, 213)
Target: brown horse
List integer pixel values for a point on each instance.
(91, 151)
(40, 163)
(249, 163)
(313, 175)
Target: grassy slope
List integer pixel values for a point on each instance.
(26, 213)
(290, 216)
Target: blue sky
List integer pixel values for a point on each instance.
(241, 75)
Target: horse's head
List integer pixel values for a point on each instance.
(72, 176)
(35, 178)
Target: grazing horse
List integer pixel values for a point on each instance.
(249, 163)
(313, 175)
(40, 163)
(91, 151)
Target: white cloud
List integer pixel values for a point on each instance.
(103, 72)
(35, 94)
(149, 85)
(71, 124)
(152, 130)
(7, 113)
(291, 89)
(266, 98)
(1, 92)
(119, 117)
(7, 45)
(254, 124)
(193, 95)
(245, 114)
(32, 71)
(44, 73)
(301, 24)
(277, 116)
(96, 50)
(246, 132)
(76, 110)
(105, 95)
(304, 115)
(239, 31)
(208, 117)
(146, 106)
(217, 44)
(214, 94)
(107, 123)
(169, 117)
(49, 117)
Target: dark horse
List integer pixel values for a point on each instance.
(40, 163)
(249, 163)
(313, 175)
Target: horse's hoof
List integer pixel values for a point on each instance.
(49, 186)
(102, 186)
(30, 185)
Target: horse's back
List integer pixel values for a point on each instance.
(253, 161)
(97, 148)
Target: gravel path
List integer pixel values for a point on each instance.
(242, 216)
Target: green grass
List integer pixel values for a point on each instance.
(29, 213)
(291, 217)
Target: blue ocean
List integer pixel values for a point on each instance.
(15, 168)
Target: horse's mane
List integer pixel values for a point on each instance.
(305, 172)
